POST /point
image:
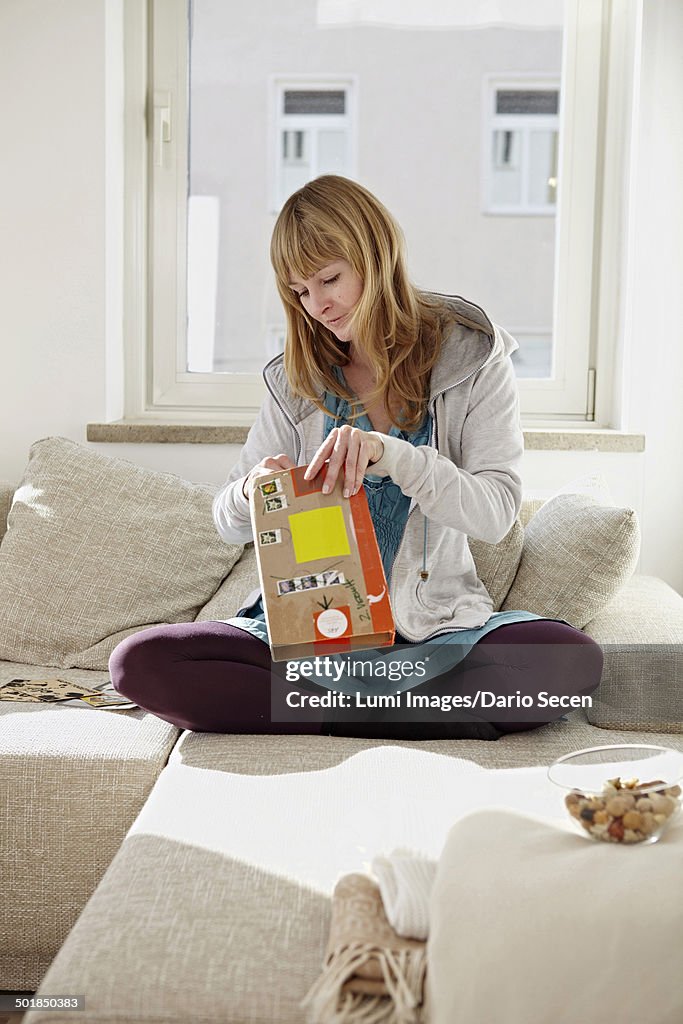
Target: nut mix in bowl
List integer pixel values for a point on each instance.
(627, 793)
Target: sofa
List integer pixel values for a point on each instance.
(173, 876)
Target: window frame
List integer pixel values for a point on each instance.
(601, 42)
(157, 386)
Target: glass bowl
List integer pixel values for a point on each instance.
(626, 793)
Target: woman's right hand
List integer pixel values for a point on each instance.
(271, 464)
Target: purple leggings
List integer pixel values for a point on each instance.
(215, 677)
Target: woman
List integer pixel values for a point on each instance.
(411, 395)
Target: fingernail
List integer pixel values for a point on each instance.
(326, 488)
(346, 492)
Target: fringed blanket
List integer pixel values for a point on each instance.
(371, 975)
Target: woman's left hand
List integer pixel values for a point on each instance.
(354, 448)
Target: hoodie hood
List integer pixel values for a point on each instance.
(473, 342)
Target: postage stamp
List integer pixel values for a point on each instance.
(276, 503)
(272, 487)
(270, 537)
(299, 583)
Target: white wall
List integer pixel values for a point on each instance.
(653, 386)
(52, 269)
(51, 222)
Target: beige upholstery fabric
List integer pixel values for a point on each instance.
(577, 554)
(273, 755)
(98, 548)
(530, 507)
(216, 907)
(72, 781)
(538, 925)
(234, 589)
(641, 635)
(497, 563)
(6, 492)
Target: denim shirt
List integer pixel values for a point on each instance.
(388, 504)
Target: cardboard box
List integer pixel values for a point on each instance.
(322, 579)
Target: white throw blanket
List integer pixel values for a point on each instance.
(405, 882)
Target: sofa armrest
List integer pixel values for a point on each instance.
(641, 634)
(6, 495)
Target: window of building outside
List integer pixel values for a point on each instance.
(520, 168)
(460, 127)
(524, 133)
(313, 133)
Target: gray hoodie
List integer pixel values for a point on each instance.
(465, 482)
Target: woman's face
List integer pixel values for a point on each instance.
(330, 296)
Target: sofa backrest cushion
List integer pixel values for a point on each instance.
(234, 589)
(6, 493)
(98, 548)
(577, 554)
(497, 564)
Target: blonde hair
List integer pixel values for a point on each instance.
(398, 328)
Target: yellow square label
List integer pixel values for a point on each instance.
(320, 533)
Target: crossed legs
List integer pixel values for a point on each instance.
(215, 677)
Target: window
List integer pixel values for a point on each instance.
(239, 114)
(313, 134)
(522, 151)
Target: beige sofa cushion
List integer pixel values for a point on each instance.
(577, 554)
(230, 596)
(641, 635)
(497, 564)
(6, 492)
(72, 781)
(98, 548)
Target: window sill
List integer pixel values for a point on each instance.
(535, 439)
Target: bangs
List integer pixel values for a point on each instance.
(300, 247)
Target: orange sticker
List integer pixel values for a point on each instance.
(373, 570)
